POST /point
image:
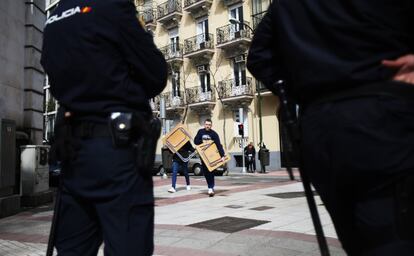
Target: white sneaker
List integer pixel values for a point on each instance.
(210, 192)
(172, 190)
(188, 187)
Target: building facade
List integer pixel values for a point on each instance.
(21, 94)
(205, 43)
(21, 75)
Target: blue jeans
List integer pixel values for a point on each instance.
(209, 176)
(175, 168)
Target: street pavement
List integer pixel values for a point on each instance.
(251, 214)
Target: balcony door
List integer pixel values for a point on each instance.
(236, 13)
(174, 42)
(204, 78)
(175, 82)
(239, 71)
(202, 32)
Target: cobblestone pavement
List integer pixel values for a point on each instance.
(272, 204)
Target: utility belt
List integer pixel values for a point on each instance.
(126, 129)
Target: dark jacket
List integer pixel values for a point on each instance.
(99, 59)
(248, 151)
(321, 46)
(203, 134)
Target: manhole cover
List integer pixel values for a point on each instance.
(239, 184)
(288, 195)
(159, 198)
(261, 208)
(228, 224)
(233, 206)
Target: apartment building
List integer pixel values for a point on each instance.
(205, 43)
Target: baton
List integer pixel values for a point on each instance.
(52, 235)
(294, 133)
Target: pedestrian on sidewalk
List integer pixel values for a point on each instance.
(103, 68)
(178, 164)
(250, 156)
(206, 135)
(350, 66)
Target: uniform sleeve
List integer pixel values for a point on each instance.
(262, 58)
(146, 62)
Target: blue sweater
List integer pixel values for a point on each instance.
(202, 134)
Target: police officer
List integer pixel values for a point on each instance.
(350, 65)
(101, 64)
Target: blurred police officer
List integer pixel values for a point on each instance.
(350, 64)
(101, 63)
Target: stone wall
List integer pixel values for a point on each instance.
(21, 75)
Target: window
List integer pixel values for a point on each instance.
(236, 13)
(175, 82)
(202, 32)
(205, 82)
(174, 41)
(239, 70)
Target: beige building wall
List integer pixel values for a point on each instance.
(221, 67)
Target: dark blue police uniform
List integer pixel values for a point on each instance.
(100, 60)
(357, 125)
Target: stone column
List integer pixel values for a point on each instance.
(34, 76)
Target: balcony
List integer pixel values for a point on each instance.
(174, 105)
(234, 39)
(234, 95)
(256, 18)
(173, 54)
(149, 17)
(228, 3)
(200, 48)
(200, 102)
(169, 13)
(197, 8)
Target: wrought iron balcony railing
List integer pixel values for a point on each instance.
(198, 42)
(196, 95)
(256, 18)
(173, 101)
(232, 32)
(148, 16)
(168, 7)
(172, 51)
(232, 88)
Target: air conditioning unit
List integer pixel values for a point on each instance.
(239, 58)
(202, 69)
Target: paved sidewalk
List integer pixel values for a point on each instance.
(251, 214)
